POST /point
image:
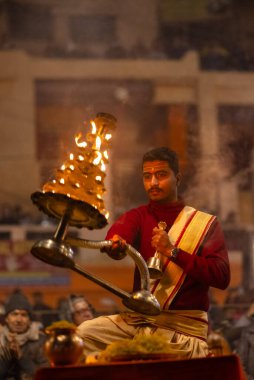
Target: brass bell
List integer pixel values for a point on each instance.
(154, 267)
(154, 264)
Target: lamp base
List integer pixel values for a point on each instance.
(81, 214)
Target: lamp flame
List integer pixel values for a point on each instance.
(98, 142)
(94, 129)
(108, 136)
(80, 144)
(105, 154)
(81, 176)
(103, 166)
(80, 157)
(97, 160)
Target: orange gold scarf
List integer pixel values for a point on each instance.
(187, 233)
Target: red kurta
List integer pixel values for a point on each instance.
(210, 267)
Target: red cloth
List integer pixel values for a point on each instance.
(210, 267)
(219, 368)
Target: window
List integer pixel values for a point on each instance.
(28, 21)
(97, 28)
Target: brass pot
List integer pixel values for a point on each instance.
(63, 347)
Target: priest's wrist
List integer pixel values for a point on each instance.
(173, 253)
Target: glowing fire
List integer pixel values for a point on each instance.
(82, 175)
(81, 144)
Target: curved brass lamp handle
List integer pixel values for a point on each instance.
(130, 251)
(59, 253)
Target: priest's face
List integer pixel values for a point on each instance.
(160, 182)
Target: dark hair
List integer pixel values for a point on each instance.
(67, 308)
(18, 301)
(163, 154)
(73, 298)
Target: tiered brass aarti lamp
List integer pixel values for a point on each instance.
(74, 197)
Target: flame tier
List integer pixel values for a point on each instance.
(81, 176)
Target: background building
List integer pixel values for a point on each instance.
(172, 75)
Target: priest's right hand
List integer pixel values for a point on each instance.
(117, 250)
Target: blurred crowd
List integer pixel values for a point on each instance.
(232, 327)
(74, 308)
(23, 327)
(15, 215)
(213, 54)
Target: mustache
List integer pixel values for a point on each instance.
(154, 188)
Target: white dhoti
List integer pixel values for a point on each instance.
(186, 333)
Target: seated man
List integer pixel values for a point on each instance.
(21, 341)
(76, 309)
(194, 258)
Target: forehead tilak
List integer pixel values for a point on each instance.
(154, 166)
